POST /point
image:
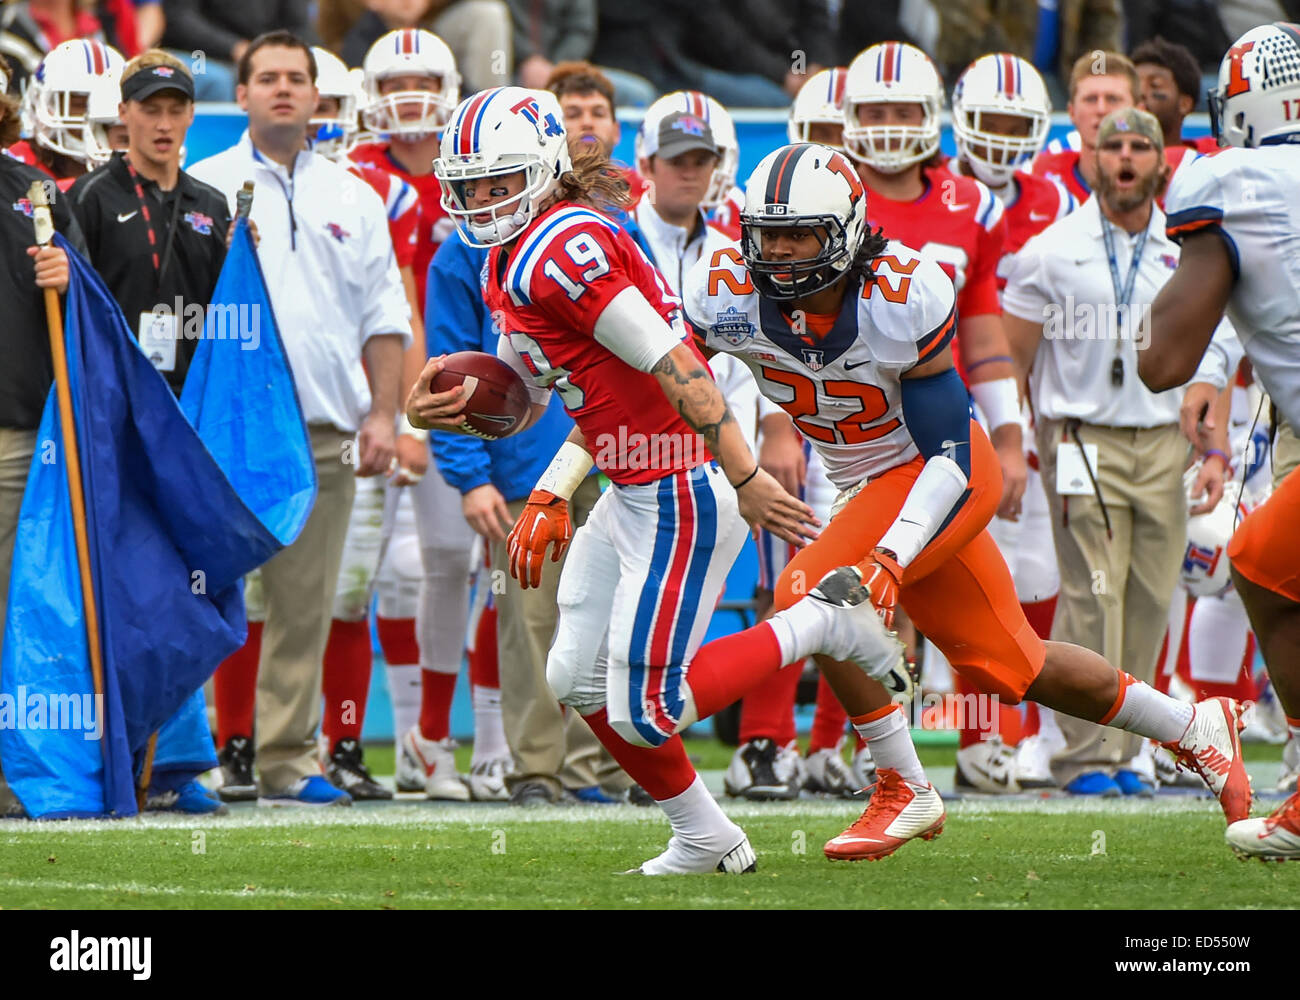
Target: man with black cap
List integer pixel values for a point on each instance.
(155, 234)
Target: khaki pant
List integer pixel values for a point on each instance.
(550, 744)
(1115, 592)
(298, 589)
(16, 450)
(1286, 452)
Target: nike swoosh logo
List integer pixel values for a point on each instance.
(129, 215)
(857, 840)
(988, 774)
(1035, 217)
(959, 207)
(849, 367)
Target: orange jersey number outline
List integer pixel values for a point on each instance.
(856, 428)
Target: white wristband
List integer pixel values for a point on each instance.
(567, 470)
(998, 400)
(404, 426)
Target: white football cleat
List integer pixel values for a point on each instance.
(863, 769)
(761, 771)
(827, 773)
(898, 812)
(987, 766)
(855, 633)
(434, 760)
(686, 858)
(487, 780)
(1211, 747)
(1032, 767)
(1269, 838)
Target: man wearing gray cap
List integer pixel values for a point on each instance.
(1111, 452)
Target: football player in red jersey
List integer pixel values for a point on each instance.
(1171, 86)
(585, 313)
(57, 98)
(411, 86)
(1001, 112)
(1100, 82)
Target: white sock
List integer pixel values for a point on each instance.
(489, 733)
(1147, 712)
(404, 692)
(695, 815)
(800, 629)
(1216, 640)
(1048, 728)
(890, 743)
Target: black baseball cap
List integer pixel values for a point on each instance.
(678, 133)
(147, 82)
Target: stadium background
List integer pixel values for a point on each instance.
(218, 126)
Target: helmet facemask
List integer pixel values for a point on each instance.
(995, 156)
(795, 278)
(508, 218)
(383, 114)
(891, 149)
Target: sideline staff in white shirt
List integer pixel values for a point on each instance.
(1103, 436)
(334, 284)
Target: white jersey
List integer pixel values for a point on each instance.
(842, 390)
(1248, 197)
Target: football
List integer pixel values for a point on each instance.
(497, 401)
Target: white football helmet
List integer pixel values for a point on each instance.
(331, 135)
(101, 115)
(409, 52)
(497, 132)
(1259, 87)
(65, 78)
(820, 101)
(803, 186)
(1004, 84)
(892, 73)
(1206, 572)
(704, 107)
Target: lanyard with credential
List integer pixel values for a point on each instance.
(1123, 293)
(159, 268)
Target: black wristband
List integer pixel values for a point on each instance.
(738, 485)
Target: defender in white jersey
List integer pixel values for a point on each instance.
(1236, 214)
(850, 335)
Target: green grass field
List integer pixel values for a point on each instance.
(1164, 854)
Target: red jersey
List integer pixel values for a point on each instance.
(726, 217)
(23, 152)
(1063, 167)
(562, 272)
(1186, 152)
(958, 222)
(401, 204)
(1040, 202)
(434, 225)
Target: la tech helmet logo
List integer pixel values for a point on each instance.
(529, 110)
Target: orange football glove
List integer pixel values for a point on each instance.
(545, 520)
(882, 575)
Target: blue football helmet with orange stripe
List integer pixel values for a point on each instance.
(411, 114)
(803, 186)
(495, 133)
(1003, 84)
(892, 73)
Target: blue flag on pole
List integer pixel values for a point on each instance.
(176, 515)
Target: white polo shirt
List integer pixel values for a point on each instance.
(1061, 278)
(327, 257)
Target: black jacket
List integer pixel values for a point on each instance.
(26, 371)
(760, 36)
(215, 26)
(117, 240)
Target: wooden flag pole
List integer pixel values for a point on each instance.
(44, 224)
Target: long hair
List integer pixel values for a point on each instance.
(872, 247)
(10, 124)
(594, 181)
